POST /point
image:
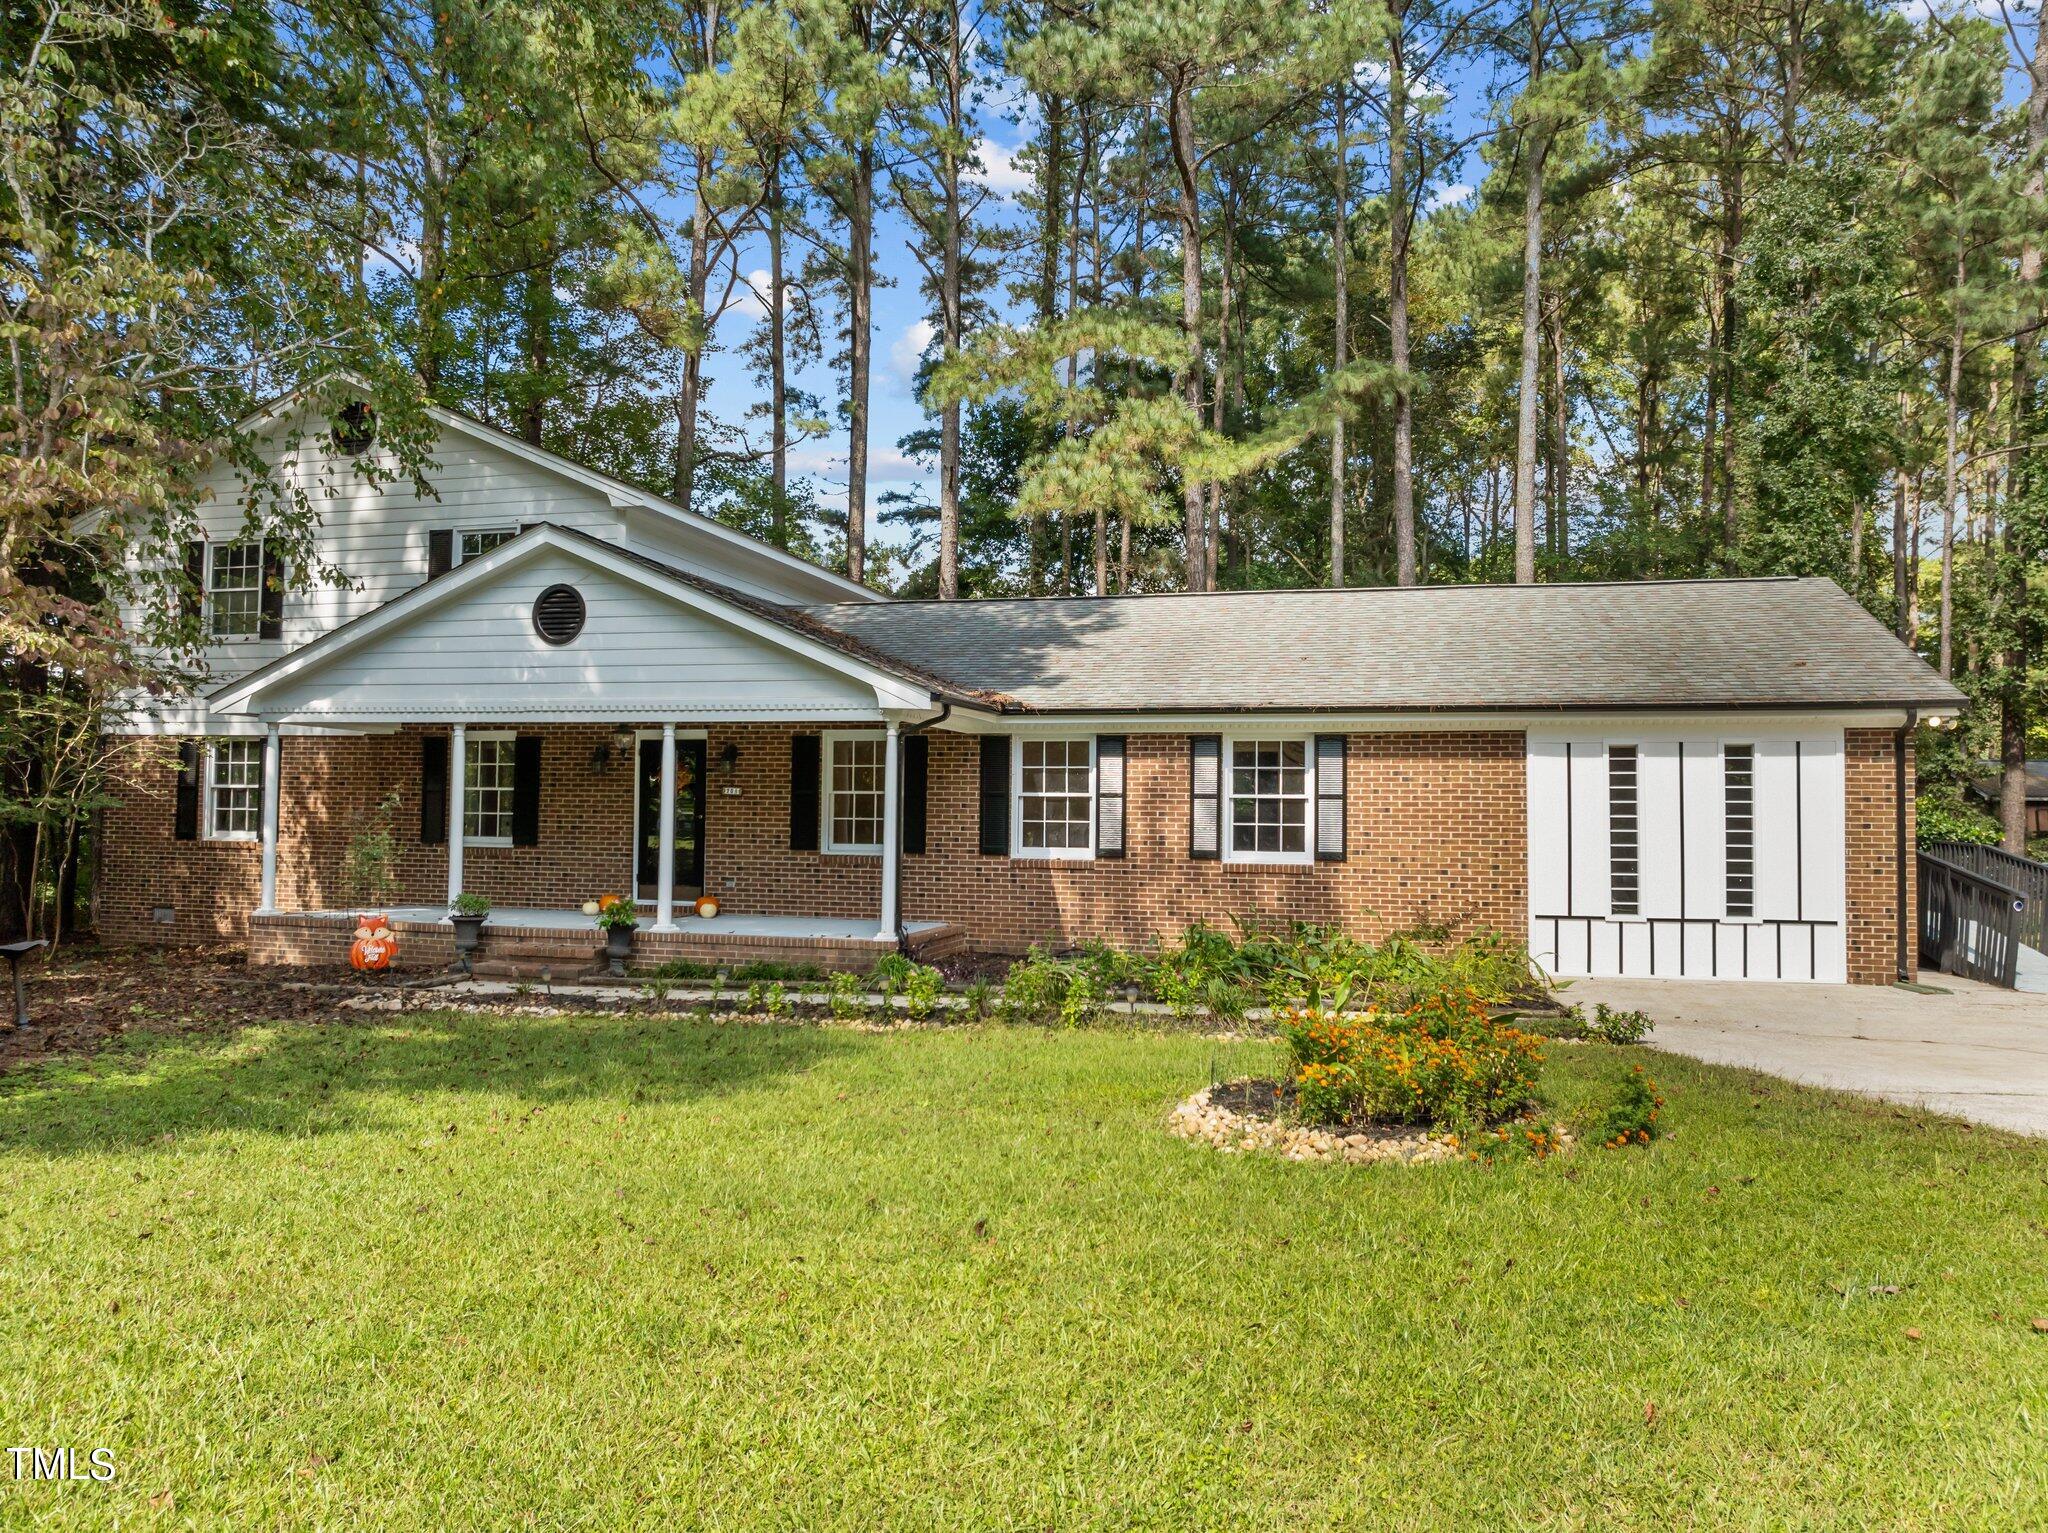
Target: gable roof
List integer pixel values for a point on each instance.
(1761, 643)
(898, 684)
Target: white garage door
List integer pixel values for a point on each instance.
(1695, 856)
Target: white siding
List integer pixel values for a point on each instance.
(376, 536)
(1683, 929)
(640, 655)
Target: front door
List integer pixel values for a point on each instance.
(689, 846)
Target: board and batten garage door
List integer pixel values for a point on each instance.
(1687, 855)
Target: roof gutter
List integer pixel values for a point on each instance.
(902, 932)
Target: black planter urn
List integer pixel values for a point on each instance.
(468, 932)
(618, 947)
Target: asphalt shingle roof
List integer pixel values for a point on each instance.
(1670, 644)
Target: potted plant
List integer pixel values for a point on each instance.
(467, 915)
(618, 921)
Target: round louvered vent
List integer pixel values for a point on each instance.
(355, 429)
(558, 614)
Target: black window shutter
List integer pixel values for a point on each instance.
(803, 793)
(1109, 795)
(185, 817)
(433, 790)
(271, 625)
(995, 795)
(526, 790)
(191, 601)
(440, 551)
(1330, 798)
(917, 757)
(1205, 797)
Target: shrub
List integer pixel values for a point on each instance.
(1611, 1026)
(621, 914)
(775, 1000)
(1444, 1061)
(921, 987)
(980, 997)
(1943, 814)
(467, 904)
(1632, 1116)
(1082, 1002)
(369, 867)
(1035, 989)
(845, 996)
(889, 974)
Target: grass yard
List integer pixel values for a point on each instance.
(460, 1271)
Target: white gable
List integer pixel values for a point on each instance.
(651, 648)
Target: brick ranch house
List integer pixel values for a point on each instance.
(539, 676)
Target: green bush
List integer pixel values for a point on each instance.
(1943, 814)
(1632, 1117)
(846, 996)
(1082, 1002)
(1611, 1026)
(890, 973)
(1444, 1062)
(921, 987)
(1035, 989)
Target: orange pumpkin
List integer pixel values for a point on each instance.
(707, 907)
(375, 945)
(606, 901)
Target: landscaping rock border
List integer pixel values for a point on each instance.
(1207, 1121)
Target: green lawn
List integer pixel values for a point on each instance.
(456, 1271)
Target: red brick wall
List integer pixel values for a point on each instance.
(1871, 803)
(1437, 834)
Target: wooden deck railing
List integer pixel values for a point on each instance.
(1996, 863)
(1969, 922)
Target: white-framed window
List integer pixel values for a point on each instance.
(234, 590)
(487, 772)
(1269, 784)
(475, 542)
(1055, 797)
(234, 790)
(855, 771)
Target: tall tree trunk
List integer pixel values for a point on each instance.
(950, 312)
(1560, 439)
(1181, 134)
(691, 399)
(1902, 596)
(1340, 264)
(1218, 419)
(1100, 544)
(778, 361)
(1397, 300)
(1534, 145)
(860, 340)
(537, 322)
(2022, 549)
(1950, 467)
(1731, 337)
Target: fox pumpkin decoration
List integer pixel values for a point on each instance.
(375, 945)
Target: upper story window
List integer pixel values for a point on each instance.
(1055, 797)
(487, 777)
(1738, 767)
(234, 790)
(1624, 864)
(476, 542)
(1268, 801)
(234, 590)
(855, 767)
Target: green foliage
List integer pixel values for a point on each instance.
(1632, 1116)
(619, 916)
(368, 870)
(1942, 813)
(469, 903)
(1444, 1061)
(1611, 1026)
(921, 989)
(1035, 989)
(846, 996)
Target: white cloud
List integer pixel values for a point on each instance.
(1449, 196)
(886, 465)
(907, 350)
(1000, 172)
(750, 297)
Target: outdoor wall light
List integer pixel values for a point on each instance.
(728, 759)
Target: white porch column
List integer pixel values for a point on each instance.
(892, 838)
(665, 880)
(458, 751)
(272, 771)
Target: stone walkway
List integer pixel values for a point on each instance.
(1973, 1051)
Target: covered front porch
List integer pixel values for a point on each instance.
(658, 743)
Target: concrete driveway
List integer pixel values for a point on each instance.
(1974, 1052)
